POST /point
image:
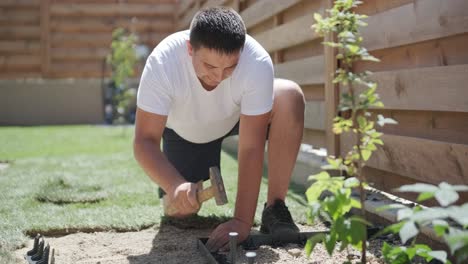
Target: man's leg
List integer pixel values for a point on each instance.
(284, 140)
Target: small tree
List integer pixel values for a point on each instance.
(122, 60)
(354, 118)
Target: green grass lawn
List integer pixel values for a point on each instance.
(62, 179)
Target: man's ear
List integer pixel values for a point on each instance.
(189, 48)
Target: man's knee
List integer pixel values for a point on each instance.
(289, 95)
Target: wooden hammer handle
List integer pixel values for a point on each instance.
(205, 194)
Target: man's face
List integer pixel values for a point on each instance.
(211, 66)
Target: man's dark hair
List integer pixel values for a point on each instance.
(218, 28)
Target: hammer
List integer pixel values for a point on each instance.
(216, 190)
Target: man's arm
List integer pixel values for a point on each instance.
(252, 135)
(149, 128)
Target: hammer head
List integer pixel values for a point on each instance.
(218, 186)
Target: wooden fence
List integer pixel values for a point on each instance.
(422, 78)
(71, 38)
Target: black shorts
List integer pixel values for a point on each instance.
(193, 160)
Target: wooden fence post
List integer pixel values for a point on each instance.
(278, 55)
(331, 93)
(45, 37)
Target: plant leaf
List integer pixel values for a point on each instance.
(418, 187)
(312, 242)
(351, 182)
(408, 231)
(425, 196)
(383, 121)
(446, 197)
(404, 213)
(439, 255)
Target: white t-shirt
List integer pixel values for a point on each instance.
(169, 86)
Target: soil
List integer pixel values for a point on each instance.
(172, 243)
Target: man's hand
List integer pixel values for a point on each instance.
(184, 199)
(219, 238)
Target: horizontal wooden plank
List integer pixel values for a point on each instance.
(20, 3)
(152, 39)
(19, 18)
(287, 35)
(314, 92)
(314, 115)
(108, 24)
(185, 20)
(79, 54)
(433, 88)
(183, 6)
(19, 32)
(19, 62)
(377, 6)
(305, 71)
(434, 125)
(437, 52)
(264, 9)
(20, 46)
(315, 138)
(65, 70)
(80, 40)
(388, 182)
(112, 10)
(19, 74)
(90, 40)
(420, 159)
(416, 22)
(114, 1)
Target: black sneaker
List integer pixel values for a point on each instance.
(276, 219)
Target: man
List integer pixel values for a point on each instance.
(200, 86)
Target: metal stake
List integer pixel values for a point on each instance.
(250, 257)
(233, 247)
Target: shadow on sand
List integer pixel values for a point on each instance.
(176, 241)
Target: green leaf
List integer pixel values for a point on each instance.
(317, 17)
(383, 121)
(320, 176)
(380, 105)
(440, 226)
(353, 49)
(351, 182)
(456, 239)
(312, 242)
(429, 214)
(330, 243)
(417, 187)
(404, 213)
(394, 255)
(459, 214)
(425, 196)
(369, 58)
(390, 207)
(460, 188)
(408, 231)
(446, 197)
(366, 154)
(439, 255)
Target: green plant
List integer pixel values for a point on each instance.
(122, 60)
(411, 221)
(355, 118)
